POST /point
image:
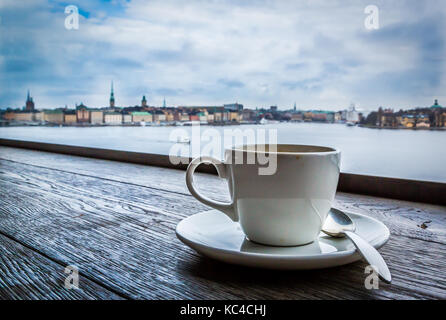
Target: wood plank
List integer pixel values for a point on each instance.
(123, 235)
(136, 174)
(26, 274)
(401, 217)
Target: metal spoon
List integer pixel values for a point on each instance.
(338, 224)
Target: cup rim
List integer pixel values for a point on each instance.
(330, 151)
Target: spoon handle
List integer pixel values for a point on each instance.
(371, 255)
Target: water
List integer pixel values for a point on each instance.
(419, 155)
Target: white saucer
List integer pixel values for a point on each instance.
(213, 234)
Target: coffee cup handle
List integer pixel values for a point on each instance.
(226, 207)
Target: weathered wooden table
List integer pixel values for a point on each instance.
(116, 223)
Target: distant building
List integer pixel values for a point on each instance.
(407, 120)
(126, 118)
(38, 116)
(143, 102)
(24, 116)
(70, 117)
(352, 115)
(53, 116)
(202, 117)
(112, 118)
(338, 116)
(96, 116)
(169, 116)
(29, 105)
(142, 116)
(386, 118)
(439, 115)
(82, 113)
(159, 116)
(248, 115)
(297, 116)
(422, 121)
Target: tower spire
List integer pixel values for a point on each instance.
(112, 96)
(29, 105)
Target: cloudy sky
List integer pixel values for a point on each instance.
(196, 52)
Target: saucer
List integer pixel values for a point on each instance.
(213, 234)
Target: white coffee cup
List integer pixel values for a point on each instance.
(286, 208)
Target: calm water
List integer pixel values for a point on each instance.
(408, 154)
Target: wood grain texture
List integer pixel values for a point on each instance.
(116, 222)
(26, 274)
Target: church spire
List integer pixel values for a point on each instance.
(29, 105)
(112, 96)
(164, 102)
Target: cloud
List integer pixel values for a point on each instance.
(260, 53)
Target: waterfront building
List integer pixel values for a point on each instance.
(297, 116)
(202, 117)
(96, 116)
(169, 116)
(407, 120)
(126, 118)
(160, 116)
(308, 116)
(184, 117)
(24, 116)
(319, 116)
(29, 105)
(439, 115)
(70, 117)
(112, 118)
(82, 113)
(352, 115)
(248, 115)
(422, 121)
(218, 117)
(9, 116)
(53, 116)
(38, 116)
(338, 116)
(234, 116)
(386, 118)
(142, 116)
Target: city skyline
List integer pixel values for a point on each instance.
(262, 53)
(144, 102)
